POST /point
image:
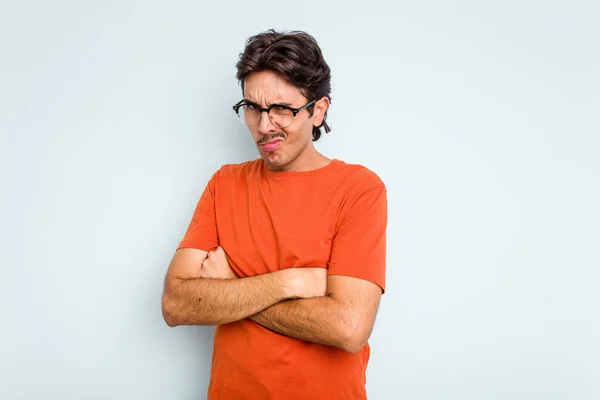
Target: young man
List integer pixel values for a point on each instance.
(286, 253)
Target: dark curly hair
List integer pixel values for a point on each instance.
(296, 57)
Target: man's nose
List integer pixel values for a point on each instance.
(264, 123)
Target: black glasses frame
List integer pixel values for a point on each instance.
(294, 111)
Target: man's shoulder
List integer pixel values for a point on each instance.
(360, 177)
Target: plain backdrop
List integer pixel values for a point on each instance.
(481, 117)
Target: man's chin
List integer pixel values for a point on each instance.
(273, 159)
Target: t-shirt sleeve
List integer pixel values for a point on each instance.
(359, 245)
(202, 230)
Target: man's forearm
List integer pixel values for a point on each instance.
(319, 320)
(220, 301)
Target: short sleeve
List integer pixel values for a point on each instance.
(359, 245)
(202, 230)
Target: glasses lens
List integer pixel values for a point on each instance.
(281, 116)
(249, 114)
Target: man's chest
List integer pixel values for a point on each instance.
(267, 230)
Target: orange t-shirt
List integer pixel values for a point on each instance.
(333, 217)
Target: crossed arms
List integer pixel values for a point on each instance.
(304, 303)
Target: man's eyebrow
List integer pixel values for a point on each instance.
(268, 105)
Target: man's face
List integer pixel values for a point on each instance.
(278, 146)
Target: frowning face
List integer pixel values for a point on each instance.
(280, 147)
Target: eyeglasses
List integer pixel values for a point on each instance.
(280, 115)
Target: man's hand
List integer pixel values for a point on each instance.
(216, 266)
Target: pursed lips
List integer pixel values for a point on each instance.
(272, 141)
(271, 144)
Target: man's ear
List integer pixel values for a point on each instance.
(321, 106)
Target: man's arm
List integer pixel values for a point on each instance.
(344, 318)
(193, 297)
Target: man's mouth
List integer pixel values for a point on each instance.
(271, 145)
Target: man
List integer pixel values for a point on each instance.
(286, 253)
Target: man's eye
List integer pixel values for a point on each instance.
(251, 107)
(279, 108)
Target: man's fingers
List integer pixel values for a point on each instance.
(214, 257)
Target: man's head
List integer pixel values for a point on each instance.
(285, 73)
